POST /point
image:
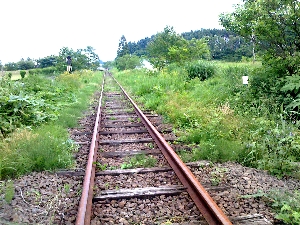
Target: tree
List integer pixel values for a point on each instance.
(93, 58)
(127, 62)
(158, 48)
(25, 64)
(47, 61)
(108, 65)
(11, 66)
(123, 48)
(168, 47)
(274, 26)
(81, 58)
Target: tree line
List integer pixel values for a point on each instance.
(223, 44)
(267, 30)
(169, 47)
(81, 59)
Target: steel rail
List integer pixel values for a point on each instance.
(85, 204)
(209, 209)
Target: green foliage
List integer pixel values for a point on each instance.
(108, 65)
(123, 48)
(291, 95)
(51, 150)
(200, 69)
(9, 75)
(168, 47)
(25, 64)
(22, 73)
(127, 62)
(188, 50)
(273, 147)
(9, 192)
(287, 206)
(285, 203)
(42, 146)
(11, 66)
(47, 61)
(223, 44)
(20, 65)
(101, 166)
(217, 175)
(140, 160)
(158, 49)
(26, 103)
(81, 59)
(271, 26)
(226, 119)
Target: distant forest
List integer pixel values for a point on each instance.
(224, 45)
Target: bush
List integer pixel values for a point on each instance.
(22, 73)
(9, 75)
(273, 147)
(201, 69)
(49, 70)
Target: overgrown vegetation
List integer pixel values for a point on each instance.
(35, 113)
(285, 204)
(220, 118)
(201, 69)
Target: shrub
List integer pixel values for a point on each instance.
(273, 147)
(22, 73)
(49, 70)
(9, 75)
(201, 69)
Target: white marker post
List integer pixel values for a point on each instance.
(245, 80)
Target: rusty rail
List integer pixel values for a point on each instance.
(84, 210)
(209, 209)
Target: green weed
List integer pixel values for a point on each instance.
(67, 188)
(101, 166)
(140, 160)
(286, 204)
(217, 175)
(9, 191)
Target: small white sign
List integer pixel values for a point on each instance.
(245, 79)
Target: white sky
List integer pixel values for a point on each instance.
(39, 28)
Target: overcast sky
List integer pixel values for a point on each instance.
(39, 28)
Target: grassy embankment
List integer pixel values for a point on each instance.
(222, 120)
(219, 117)
(36, 113)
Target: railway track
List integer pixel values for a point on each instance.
(161, 190)
(119, 123)
(152, 193)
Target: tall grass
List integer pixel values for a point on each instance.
(220, 115)
(198, 109)
(45, 148)
(48, 146)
